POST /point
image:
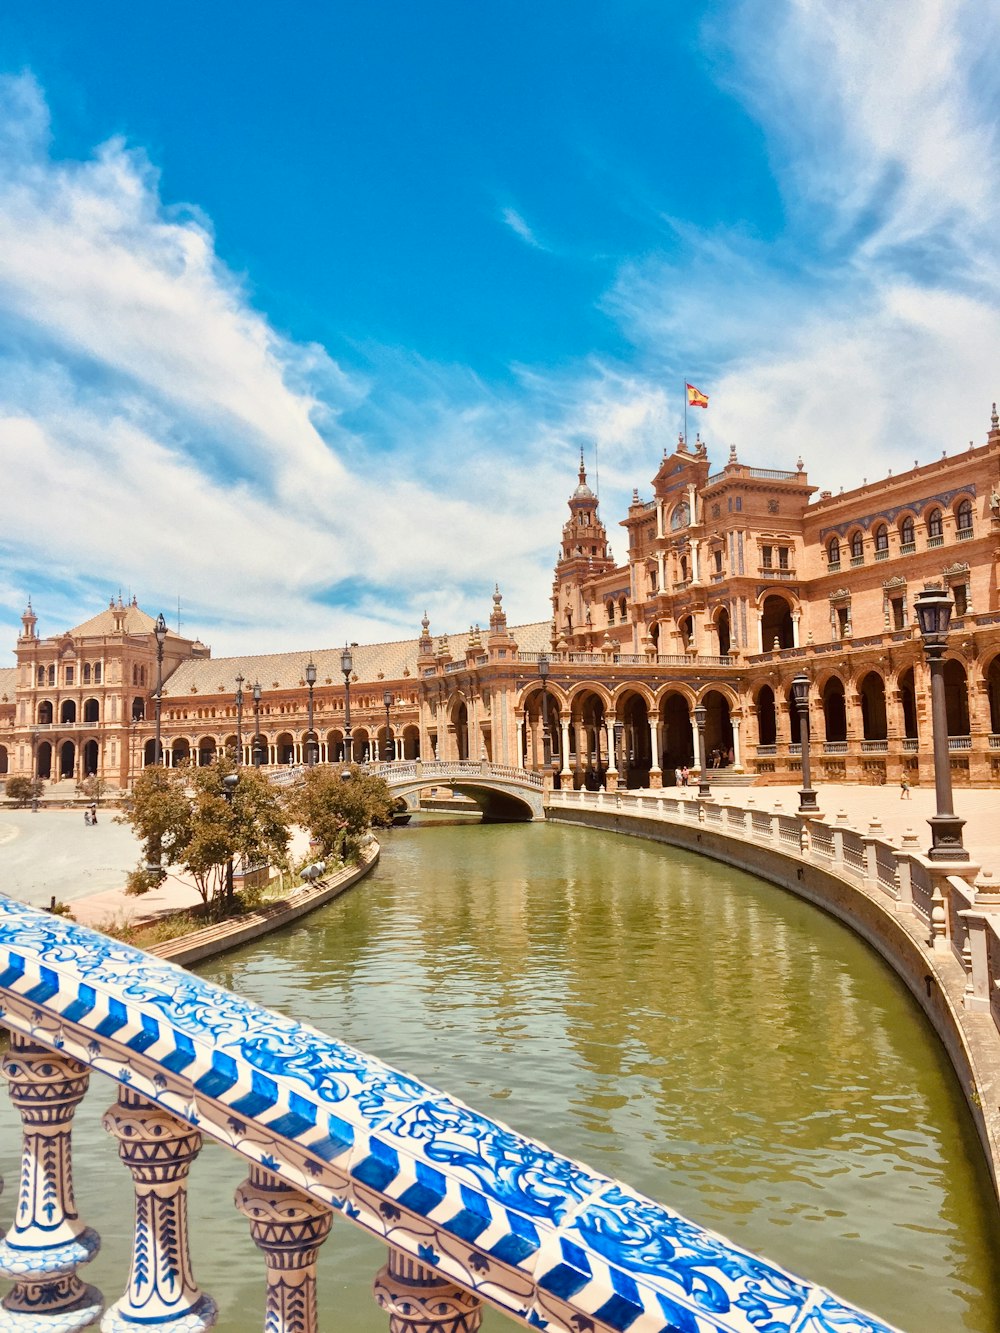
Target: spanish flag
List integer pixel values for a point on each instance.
(695, 396)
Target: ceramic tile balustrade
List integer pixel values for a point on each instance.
(537, 1235)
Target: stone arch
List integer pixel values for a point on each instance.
(230, 746)
(90, 759)
(4, 761)
(874, 721)
(676, 732)
(908, 702)
(956, 697)
(458, 725)
(206, 751)
(180, 751)
(45, 713)
(718, 728)
(335, 746)
(67, 759)
(776, 622)
(634, 754)
(361, 745)
(149, 753)
(588, 756)
(767, 716)
(138, 709)
(723, 631)
(67, 711)
(411, 741)
(992, 679)
(284, 747)
(834, 709)
(541, 746)
(91, 710)
(43, 760)
(794, 721)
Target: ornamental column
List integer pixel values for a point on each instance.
(47, 1241)
(421, 1301)
(288, 1228)
(655, 773)
(158, 1150)
(564, 724)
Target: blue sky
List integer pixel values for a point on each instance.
(306, 311)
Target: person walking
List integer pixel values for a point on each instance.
(904, 788)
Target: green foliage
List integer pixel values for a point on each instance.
(23, 790)
(338, 811)
(93, 788)
(183, 818)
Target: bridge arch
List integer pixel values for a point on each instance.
(503, 794)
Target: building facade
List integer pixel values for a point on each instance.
(735, 580)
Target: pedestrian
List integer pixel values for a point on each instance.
(904, 788)
(93, 814)
(678, 778)
(86, 816)
(685, 776)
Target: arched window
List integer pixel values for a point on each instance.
(881, 538)
(611, 612)
(833, 553)
(935, 528)
(85, 677)
(680, 517)
(623, 608)
(857, 546)
(97, 673)
(41, 676)
(963, 516)
(907, 533)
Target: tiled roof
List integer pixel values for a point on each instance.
(8, 682)
(286, 671)
(136, 622)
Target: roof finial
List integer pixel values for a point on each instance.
(994, 419)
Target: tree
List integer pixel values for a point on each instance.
(23, 790)
(185, 818)
(93, 788)
(337, 809)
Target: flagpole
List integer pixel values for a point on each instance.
(685, 415)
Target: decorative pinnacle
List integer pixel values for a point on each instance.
(994, 419)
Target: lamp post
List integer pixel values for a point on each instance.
(228, 788)
(310, 739)
(347, 666)
(160, 632)
(387, 700)
(700, 714)
(543, 675)
(933, 609)
(239, 719)
(258, 748)
(800, 693)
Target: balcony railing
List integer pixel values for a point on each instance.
(959, 742)
(911, 744)
(937, 540)
(907, 548)
(875, 747)
(776, 572)
(834, 747)
(882, 554)
(964, 534)
(856, 561)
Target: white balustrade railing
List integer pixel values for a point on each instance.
(471, 1213)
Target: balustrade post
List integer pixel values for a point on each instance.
(288, 1228)
(421, 1301)
(47, 1241)
(158, 1150)
(910, 847)
(874, 834)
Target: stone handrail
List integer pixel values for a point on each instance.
(472, 1213)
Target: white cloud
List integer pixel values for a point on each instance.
(513, 219)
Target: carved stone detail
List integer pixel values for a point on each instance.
(288, 1227)
(421, 1301)
(158, 1150)
(47, 1241)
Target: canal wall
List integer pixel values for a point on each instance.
(201, 944)
(929, 925)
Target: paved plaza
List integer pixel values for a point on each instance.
(53, 853)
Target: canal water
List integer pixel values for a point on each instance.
(702, 1035)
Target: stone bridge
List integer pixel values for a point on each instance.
(501, 791)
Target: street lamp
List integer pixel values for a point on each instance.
(934, 609)
(310, 739)
(800, 693)
(387, 700)
(228, 788)
(160, 632)
(347, 666)
(239, 719)
(258, 748)
(700, 714)
(543, 673)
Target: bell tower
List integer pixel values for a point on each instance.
(583, 555)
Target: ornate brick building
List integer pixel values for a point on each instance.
(734, 581)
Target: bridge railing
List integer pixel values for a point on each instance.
(471, 1213)
(454, 768)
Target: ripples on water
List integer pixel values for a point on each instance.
(708, 1038)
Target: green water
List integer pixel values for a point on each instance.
(704, 1036)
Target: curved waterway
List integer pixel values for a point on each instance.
(701, 1034)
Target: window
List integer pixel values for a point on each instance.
(935, 528)
(959, 592)
(739, 504)
(963, 516)
(97, 673)
(52, 675)
(41, 675)
(765, 556)
(833, 553)
(623, 608)
(907, 534)
(897, 607)
(611, 613)
(843, 620)
(881, 538)
(782, 557)
(69, 675)
(857, 549)
(717, 555)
